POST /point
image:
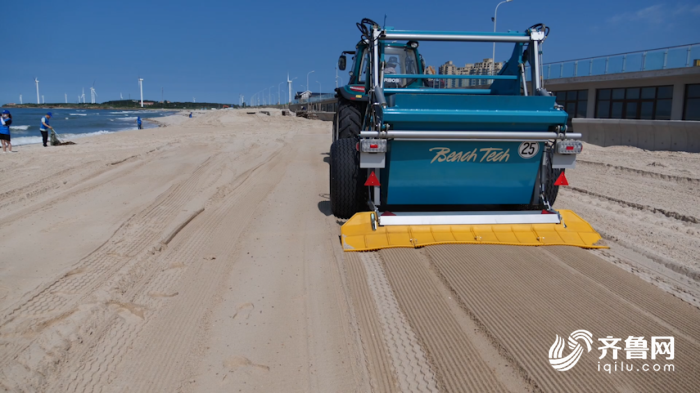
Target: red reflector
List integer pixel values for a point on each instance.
(357, 146)
(372, 180)
(561, 180)
(373, 146)
(387, 214)
(357, 88)
(569, 148)
(546, 212)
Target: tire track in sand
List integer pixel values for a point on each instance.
(410, 362)
(523, 300)
(381, 373)
(458, 365)
(162, 274)
(154, 363)
(680, 315)
(25, 323)
(147, 286)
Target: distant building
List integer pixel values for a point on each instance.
(482, 68)
(148, 103)
(449, 69)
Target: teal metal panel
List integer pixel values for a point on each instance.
(473, 113)
(459, 173)
(407, 90)
(429, 76)
(476, 33)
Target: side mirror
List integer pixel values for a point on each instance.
(342, 61)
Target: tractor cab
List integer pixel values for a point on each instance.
(398, 57)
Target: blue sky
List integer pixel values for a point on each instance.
(216, 50)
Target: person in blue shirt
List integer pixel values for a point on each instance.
(5, 121)
(44, 128)
(190, 115)
(138, 122)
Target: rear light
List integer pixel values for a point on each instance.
(357, 88)
(569, 147)
(373, 145)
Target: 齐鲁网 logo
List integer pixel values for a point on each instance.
(634, 348)
(567, 362)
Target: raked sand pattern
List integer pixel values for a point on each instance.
(202, 257)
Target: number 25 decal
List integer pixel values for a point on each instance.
(528, 149)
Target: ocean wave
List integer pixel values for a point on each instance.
(23, 128)
(122, 112)
(126, 118)
(28, 140)
(78, 114)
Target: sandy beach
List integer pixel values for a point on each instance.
(202, 256)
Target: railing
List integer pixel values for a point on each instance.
(314, 99)
(648, 60)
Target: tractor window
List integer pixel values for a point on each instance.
(399, 60)
(363, 66)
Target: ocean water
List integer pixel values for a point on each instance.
(73, 124)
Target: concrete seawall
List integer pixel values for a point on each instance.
(670, 135)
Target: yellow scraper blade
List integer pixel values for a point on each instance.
(357, 234)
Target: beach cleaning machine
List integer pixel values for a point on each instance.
(438, 162)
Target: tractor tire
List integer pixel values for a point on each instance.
(349, 119)
(550, 190)
(335, 127)
(346, 178)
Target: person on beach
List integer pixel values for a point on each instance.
(138, 122)
(190, 115)
(44, 128)
(5, 121)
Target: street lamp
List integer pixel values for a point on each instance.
(493, 59)
(269, 94)
(307, 82)
(279, 97)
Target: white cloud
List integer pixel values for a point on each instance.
(656, 14)
(653, 14)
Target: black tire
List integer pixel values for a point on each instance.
(349, 119)
(335, 127)
(550, 190)
(346, 178)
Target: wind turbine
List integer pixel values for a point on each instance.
(93, 93)
(83, 96)
(65, 95)
(20, 99)
(194, 101)
(289, 82)
(37, 90)
(121, 97)
(141, 87)
(42, 99)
